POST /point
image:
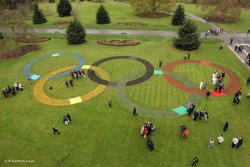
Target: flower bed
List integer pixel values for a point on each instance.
(20, 51)
(32, 39)
(131, 24)
(61, 22)
(118, 42)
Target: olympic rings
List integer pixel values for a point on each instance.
(27, 69)
(42, 97)
(146, 76)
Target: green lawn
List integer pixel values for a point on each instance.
(103, 136)
(119, 12)
(242, 26)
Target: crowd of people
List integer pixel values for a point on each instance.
(77, 73)
(12, 90)
(147, 129)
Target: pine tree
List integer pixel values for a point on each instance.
(64, 8)
(188, 37)
(102, 16)
(179, 16)
(38, 16)
(75, 33)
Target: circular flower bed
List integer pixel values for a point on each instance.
(118, 42)
(131, 24)
(32, 39)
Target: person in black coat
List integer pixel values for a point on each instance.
(55, 130)
(196, 114)
(69, 117)
(240, 142)
(225, 126)
(134, 111)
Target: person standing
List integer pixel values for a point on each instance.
(204, 85)
(206, 116)
(208, 93)
(55, 130)
(234, 142)
(160, 63)
(69, 117)
(185, 57)
(110, 102)
(66, 83)
(225, 127)
(238, 99)
(188, 57)
(134, 111)
(195, 161)
(196, 114)
(71, 82)
(240, 142)
(201, 84)
(220, 139)
(211, 142)
(231, 41)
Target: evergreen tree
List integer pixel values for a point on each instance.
(64, 8)
(38, 16)
(102, 16)
(75, 33)
(188, 37)
(179, 16)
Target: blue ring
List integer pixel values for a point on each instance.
(27, 69)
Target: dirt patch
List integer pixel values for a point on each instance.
(227, 19)
(32, 39)
(131, 24)
(118, 42)
(20, 51)
(154, 15)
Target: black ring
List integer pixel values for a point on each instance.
(149, 71)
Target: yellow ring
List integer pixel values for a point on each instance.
(40, 95)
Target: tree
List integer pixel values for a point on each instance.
(75, 33)
(102, 16)
(188, 37)
(38, 16)
(225, 8)
(64, 8)
(152, 7)
(179, 16)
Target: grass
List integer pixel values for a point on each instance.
(119, 12)
(103, 136)
(241, 26)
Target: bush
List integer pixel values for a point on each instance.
(64, 8)
(75, 33)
